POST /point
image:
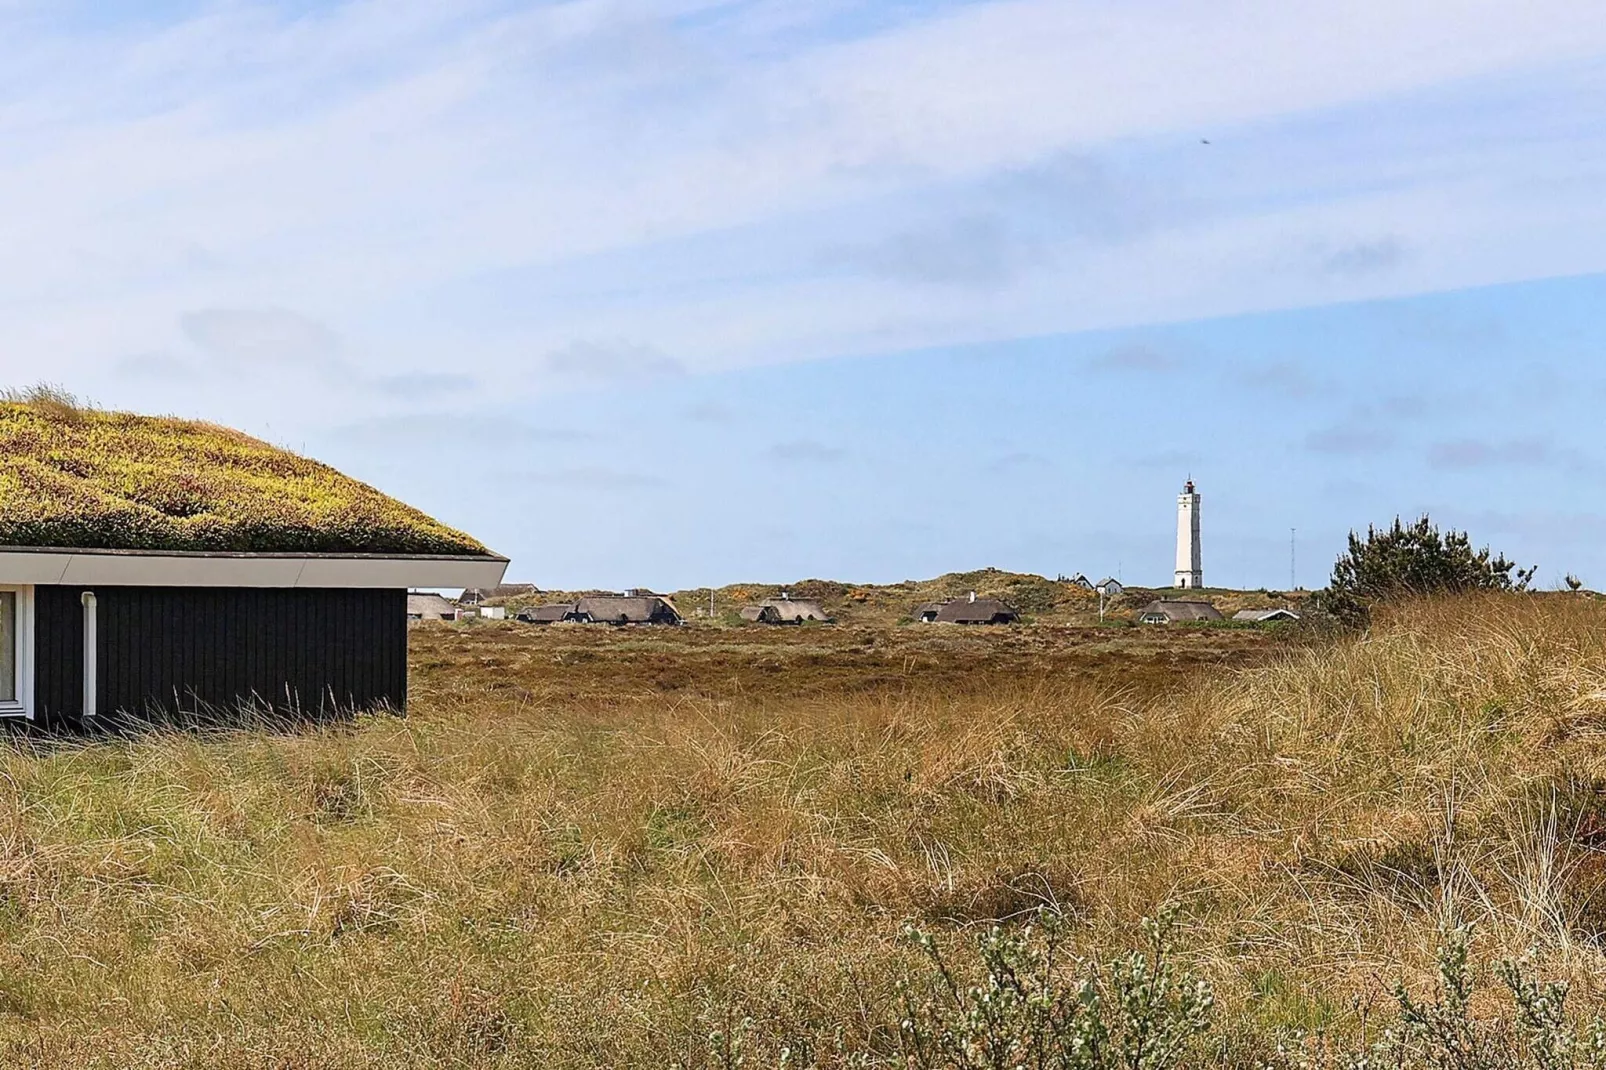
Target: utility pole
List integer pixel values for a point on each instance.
(710, 603)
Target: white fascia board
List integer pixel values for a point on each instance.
(157, 569)
(140, 570)
(401, 572)
(34, 567)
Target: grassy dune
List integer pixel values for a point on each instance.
(1038, 599)
(598, 848)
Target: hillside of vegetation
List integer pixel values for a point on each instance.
(79, 477)
(599, 847)
(1037, 598)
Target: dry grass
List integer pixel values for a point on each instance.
(593, 847)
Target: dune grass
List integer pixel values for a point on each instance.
(568, 856)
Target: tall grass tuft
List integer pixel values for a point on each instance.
(49, 399)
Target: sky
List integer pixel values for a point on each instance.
(705, 291)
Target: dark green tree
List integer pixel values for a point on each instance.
(1408, 560)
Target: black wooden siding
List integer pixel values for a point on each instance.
(167, 650)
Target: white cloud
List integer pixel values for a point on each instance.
(260, 337)
(436, 180)
(804, 451)
(603, 363)
(973, 251)
(997, 83)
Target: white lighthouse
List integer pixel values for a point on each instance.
(1190, 570)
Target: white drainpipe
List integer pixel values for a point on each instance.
(88, 600)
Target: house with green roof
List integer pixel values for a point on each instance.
(153, 567)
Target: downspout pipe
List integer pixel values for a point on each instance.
(90, 644)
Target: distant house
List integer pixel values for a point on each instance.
(625, 609)
(785, 610)
(1110, 586)
(1166, 611)
(430, 607)
(478, 596)
(1265, 616)
(1080, 580)
(926, 612)
(556, 613)
(606, 609)
(971, 610)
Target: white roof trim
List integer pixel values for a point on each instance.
(123, 568)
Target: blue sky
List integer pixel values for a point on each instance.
(698, 291)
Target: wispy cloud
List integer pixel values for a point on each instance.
(1020, 461)
(261, 337)
(975, 251)
(1285, 378)
(1403, 406)
(592, 477)
(805, 451)
(1135, 358)
(433, 178)
(610, 362)
(1365, 258)
(1358, 437)
(711, 412)
(163, 368)
(1472, 454)
(438, 431)
(424, 385)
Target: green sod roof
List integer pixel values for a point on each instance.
(79, 478)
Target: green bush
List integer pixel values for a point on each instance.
(1410, 561)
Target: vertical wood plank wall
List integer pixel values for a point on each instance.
(165, 650)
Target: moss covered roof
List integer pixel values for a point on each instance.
(72, 477)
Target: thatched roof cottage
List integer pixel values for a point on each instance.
(1168, 611)
(968, 610)
(606, 609)
(786, 610)
(426, 606)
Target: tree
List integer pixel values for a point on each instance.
(1404, 561)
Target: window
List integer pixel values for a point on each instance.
(8, 646)
(16, 651)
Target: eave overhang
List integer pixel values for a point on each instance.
(191, 568)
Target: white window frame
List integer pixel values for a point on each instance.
(22, 705)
